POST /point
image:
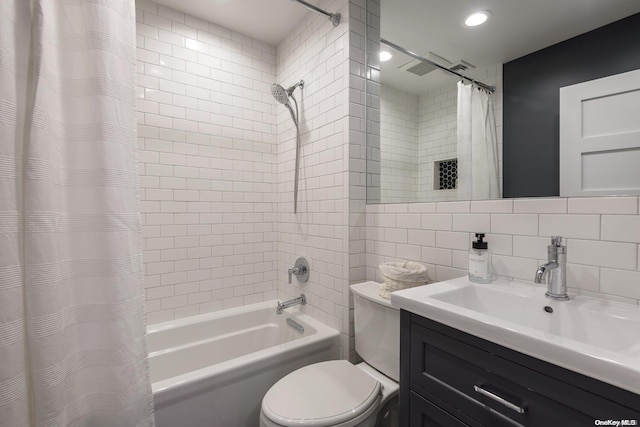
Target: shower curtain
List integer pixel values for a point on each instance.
(72, 349)
(478, 168)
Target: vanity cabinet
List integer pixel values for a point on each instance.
(451, 378)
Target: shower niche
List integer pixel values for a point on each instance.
(445, 174)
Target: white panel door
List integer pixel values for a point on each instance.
(600, 136)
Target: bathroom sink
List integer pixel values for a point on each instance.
(595, 337)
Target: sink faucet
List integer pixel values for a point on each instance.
(302, 299)
(556, 270)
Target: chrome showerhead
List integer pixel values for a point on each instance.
(280, 94)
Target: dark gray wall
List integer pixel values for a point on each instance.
(532, 98)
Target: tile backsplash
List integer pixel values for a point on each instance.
(601, 234)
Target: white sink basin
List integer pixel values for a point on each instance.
(595, 337)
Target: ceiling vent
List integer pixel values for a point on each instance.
(420, 68)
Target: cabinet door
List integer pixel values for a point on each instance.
(423, 413)
(599, 136)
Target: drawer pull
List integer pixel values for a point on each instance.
(498, 399)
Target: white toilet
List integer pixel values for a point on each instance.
(337, 393)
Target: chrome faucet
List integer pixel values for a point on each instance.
(302, 299)
(556, 270)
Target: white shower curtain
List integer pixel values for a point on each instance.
(478, 168)
(72, 349)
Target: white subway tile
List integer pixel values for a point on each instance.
(421, 237)
(539, 205)
(530, 247)
(385, 220)
(621, 228)
(492, 206)
(159, 292)
(395, 235)
(517, 268)
(409, 252)
(583, 277)
(173, 302)
(448, 273)
(620, 282)
(498, 243)
(437, 221)
(603, 254)
(518, 224)
(412, 221)
(452, 240)
(460, 259)
(385, 249)
(570, 226)
(604, 205)
(475, 223)
(437, 256)
(453, 207)
(422, 207)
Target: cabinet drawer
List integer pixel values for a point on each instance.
(487, 387)
(425, 414)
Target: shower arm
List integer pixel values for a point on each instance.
(333, 17)
(387, 43)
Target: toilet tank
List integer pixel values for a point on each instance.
(377, 329)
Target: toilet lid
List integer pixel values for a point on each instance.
(321, 394)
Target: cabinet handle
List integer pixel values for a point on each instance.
(498, 399)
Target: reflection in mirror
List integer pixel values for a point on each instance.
(413, 153)
(419, 158)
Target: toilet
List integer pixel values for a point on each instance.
(337, 393)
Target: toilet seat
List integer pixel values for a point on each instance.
(323, 394)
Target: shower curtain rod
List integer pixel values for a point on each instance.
(387, 43)
(333, 17)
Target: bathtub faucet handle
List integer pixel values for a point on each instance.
(300, 269)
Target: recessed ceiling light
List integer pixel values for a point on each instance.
(477, 18)
(385, 55)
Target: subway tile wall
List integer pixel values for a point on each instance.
(602, 237)
(208, 164)
(399, 149)
(318, 53)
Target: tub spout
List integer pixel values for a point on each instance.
(302, 299)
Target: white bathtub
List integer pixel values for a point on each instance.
(213, 369)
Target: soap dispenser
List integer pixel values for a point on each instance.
(480, 261)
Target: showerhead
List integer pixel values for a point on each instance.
(280, 94)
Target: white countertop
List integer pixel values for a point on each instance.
(595, 337)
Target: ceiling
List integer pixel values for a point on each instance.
(267, 20)
(516, 28)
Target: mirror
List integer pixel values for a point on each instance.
(412, 107)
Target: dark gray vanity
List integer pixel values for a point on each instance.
(451, 378)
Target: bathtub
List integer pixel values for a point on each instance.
(213, 369)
